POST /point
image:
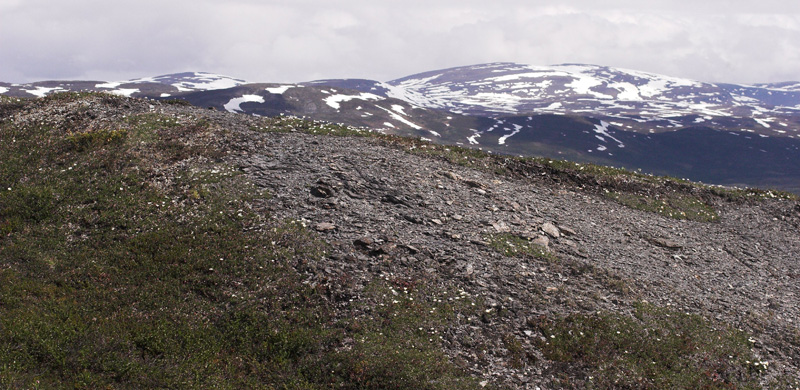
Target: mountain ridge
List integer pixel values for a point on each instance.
(469, 105)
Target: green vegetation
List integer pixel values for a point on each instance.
(124, 266)
(512, 245)
(466, 157)
(290, 124)
(736, 194)
(672, 205)
(657, 348)
(397, 345)
(96, 138)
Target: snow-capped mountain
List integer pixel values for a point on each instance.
(158, 86)
(184, 82)
(719, 133)
(638, 101)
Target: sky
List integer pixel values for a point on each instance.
(301, 40)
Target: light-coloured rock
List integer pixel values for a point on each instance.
(567, 231)
(551, 230)
(324, 226)
(451, 175)
(501, 227)
(542, 241)
(663, 242)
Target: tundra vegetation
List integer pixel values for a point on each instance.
(132, 256)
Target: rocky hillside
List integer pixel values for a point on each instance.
(155, 244)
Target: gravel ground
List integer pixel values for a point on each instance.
(390, 212)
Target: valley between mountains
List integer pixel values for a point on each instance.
(158, 244)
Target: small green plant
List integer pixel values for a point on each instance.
(519, 357)
(145, 126)
(399, 345)
(23, 205)
(657, 348)
(96, 138)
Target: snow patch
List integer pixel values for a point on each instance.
(399, 108)
(3, 89)
(399, 118)
(165, 95)
(208, 82)
(388, 124)
(496, 101)
(334, 100)
(583, 85)
(416, 91)
(127, 92)
(627, 91)
(503, 139)
(234, 104)
(762, 122)
(110, 85)
(42, 91)
(602, 129)
(473, 139)
(279, 90)
(193, 81)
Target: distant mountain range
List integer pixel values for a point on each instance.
(744, 135)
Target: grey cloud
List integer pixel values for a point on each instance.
(298, 40)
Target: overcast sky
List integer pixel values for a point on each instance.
(302, 40)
